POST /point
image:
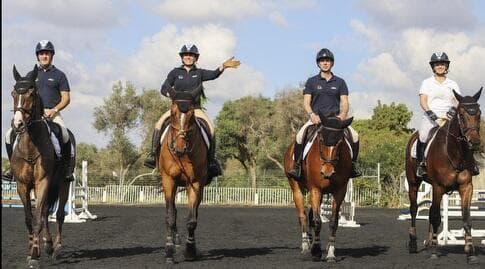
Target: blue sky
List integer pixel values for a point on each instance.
(381, 47)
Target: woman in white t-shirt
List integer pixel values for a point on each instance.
(436, 98)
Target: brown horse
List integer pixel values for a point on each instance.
(35, 166)
(182, 162)
(448, 161)
(326, 169)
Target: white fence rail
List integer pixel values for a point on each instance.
(146, 195)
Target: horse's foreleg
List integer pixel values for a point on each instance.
(169, 189)
(60, 215)
(466, 192)
(41, 189)
(299, 200)
(47, 235)
(316, 199)
(413, 210)
(24, 194)
(194, 195)
(435, 221)
(338, 198)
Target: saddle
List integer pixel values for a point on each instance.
(55, 131)
(311, 132)
(431, 136)
(203, 125)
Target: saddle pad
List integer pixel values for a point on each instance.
(200, 123)
(309, 144)
(415, 143)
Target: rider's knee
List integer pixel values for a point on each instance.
(8, 136)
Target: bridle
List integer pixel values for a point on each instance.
(323, 159)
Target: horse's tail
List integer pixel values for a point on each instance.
(53, 189)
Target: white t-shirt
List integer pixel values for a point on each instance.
(440, 95)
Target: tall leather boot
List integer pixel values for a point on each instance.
(421, 165)
(150, 160)
(66, 160)
(472, 164)
(296, 171)
(355, 165)
(214, 168)
(8, 174)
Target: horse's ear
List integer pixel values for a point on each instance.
(347, 122)
(16, 74)
(33, 74)
(457, 96)
(477, 95)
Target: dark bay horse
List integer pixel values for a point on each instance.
(182, 162)
(326, 169)
(35, 166)
(447, 165)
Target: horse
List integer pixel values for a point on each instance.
(326, 169)
(448, 161)
(35, 167)
(182, 162)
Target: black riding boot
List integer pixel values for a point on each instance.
(8, 174)
(296, 171)
(150, 160)
(66, 160)
(355, 165)
(214, 168)
(421, 165)
(472, 165)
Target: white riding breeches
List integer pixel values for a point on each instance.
(198, 113)
(426, 125)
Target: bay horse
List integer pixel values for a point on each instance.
(182, 162)
(326, 169)
(447, 164)
(34, 166)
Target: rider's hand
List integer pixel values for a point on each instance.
(314, 118)
(431, 115)
(231, 63)
(50, 113)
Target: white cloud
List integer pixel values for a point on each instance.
(278, 19)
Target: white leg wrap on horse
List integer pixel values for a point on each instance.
(331, 251)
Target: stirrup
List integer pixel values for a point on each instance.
(355, 170)
(421, 170)
(7, 175)
(150, 161)
(295, 172)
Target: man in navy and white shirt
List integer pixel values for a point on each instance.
(327, 94)
(53, 89)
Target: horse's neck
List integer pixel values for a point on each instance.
(447, 136)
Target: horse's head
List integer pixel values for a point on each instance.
(331, 137)
(469, 118)
(25, 100)
(181, 116)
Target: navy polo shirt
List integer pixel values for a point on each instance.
(181, 80)
(50, 82)
(326, 94)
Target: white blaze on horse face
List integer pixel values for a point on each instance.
(182, 121)
(18, 117)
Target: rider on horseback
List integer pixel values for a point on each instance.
(53, 89)
(438, 102)
(327, 94)
(186, 77)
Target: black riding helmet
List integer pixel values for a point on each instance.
(324, 54)
(189, 48)
(439, 57)
(44, 45)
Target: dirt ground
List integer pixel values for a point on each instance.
(228, 237)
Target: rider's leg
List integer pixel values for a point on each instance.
(214, 168)
(424, 129)
(66, 148)
(472, 165)
(355, 153)
(298, 152)
(9, 147)
(157, 134)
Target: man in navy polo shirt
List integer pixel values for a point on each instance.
(327, 94)
(187, 77)
(53, 89)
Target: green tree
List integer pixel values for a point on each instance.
(152, 108)
(391, 117)
(242, 127)
(116, 117)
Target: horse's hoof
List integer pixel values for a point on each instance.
(190, 252)
(56, 252)
(48, 248)
(472, 259)
(178, 241)
(169, 261)
(316, 252)
(433, 256)
(412, 247)
(33, 264)
(331, 260)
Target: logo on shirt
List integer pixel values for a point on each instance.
(194, 76)
(180, 77)
(333, 88)
(50, 79)
(319, 87)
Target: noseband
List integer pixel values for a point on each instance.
(19, 108)
(181, 133)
